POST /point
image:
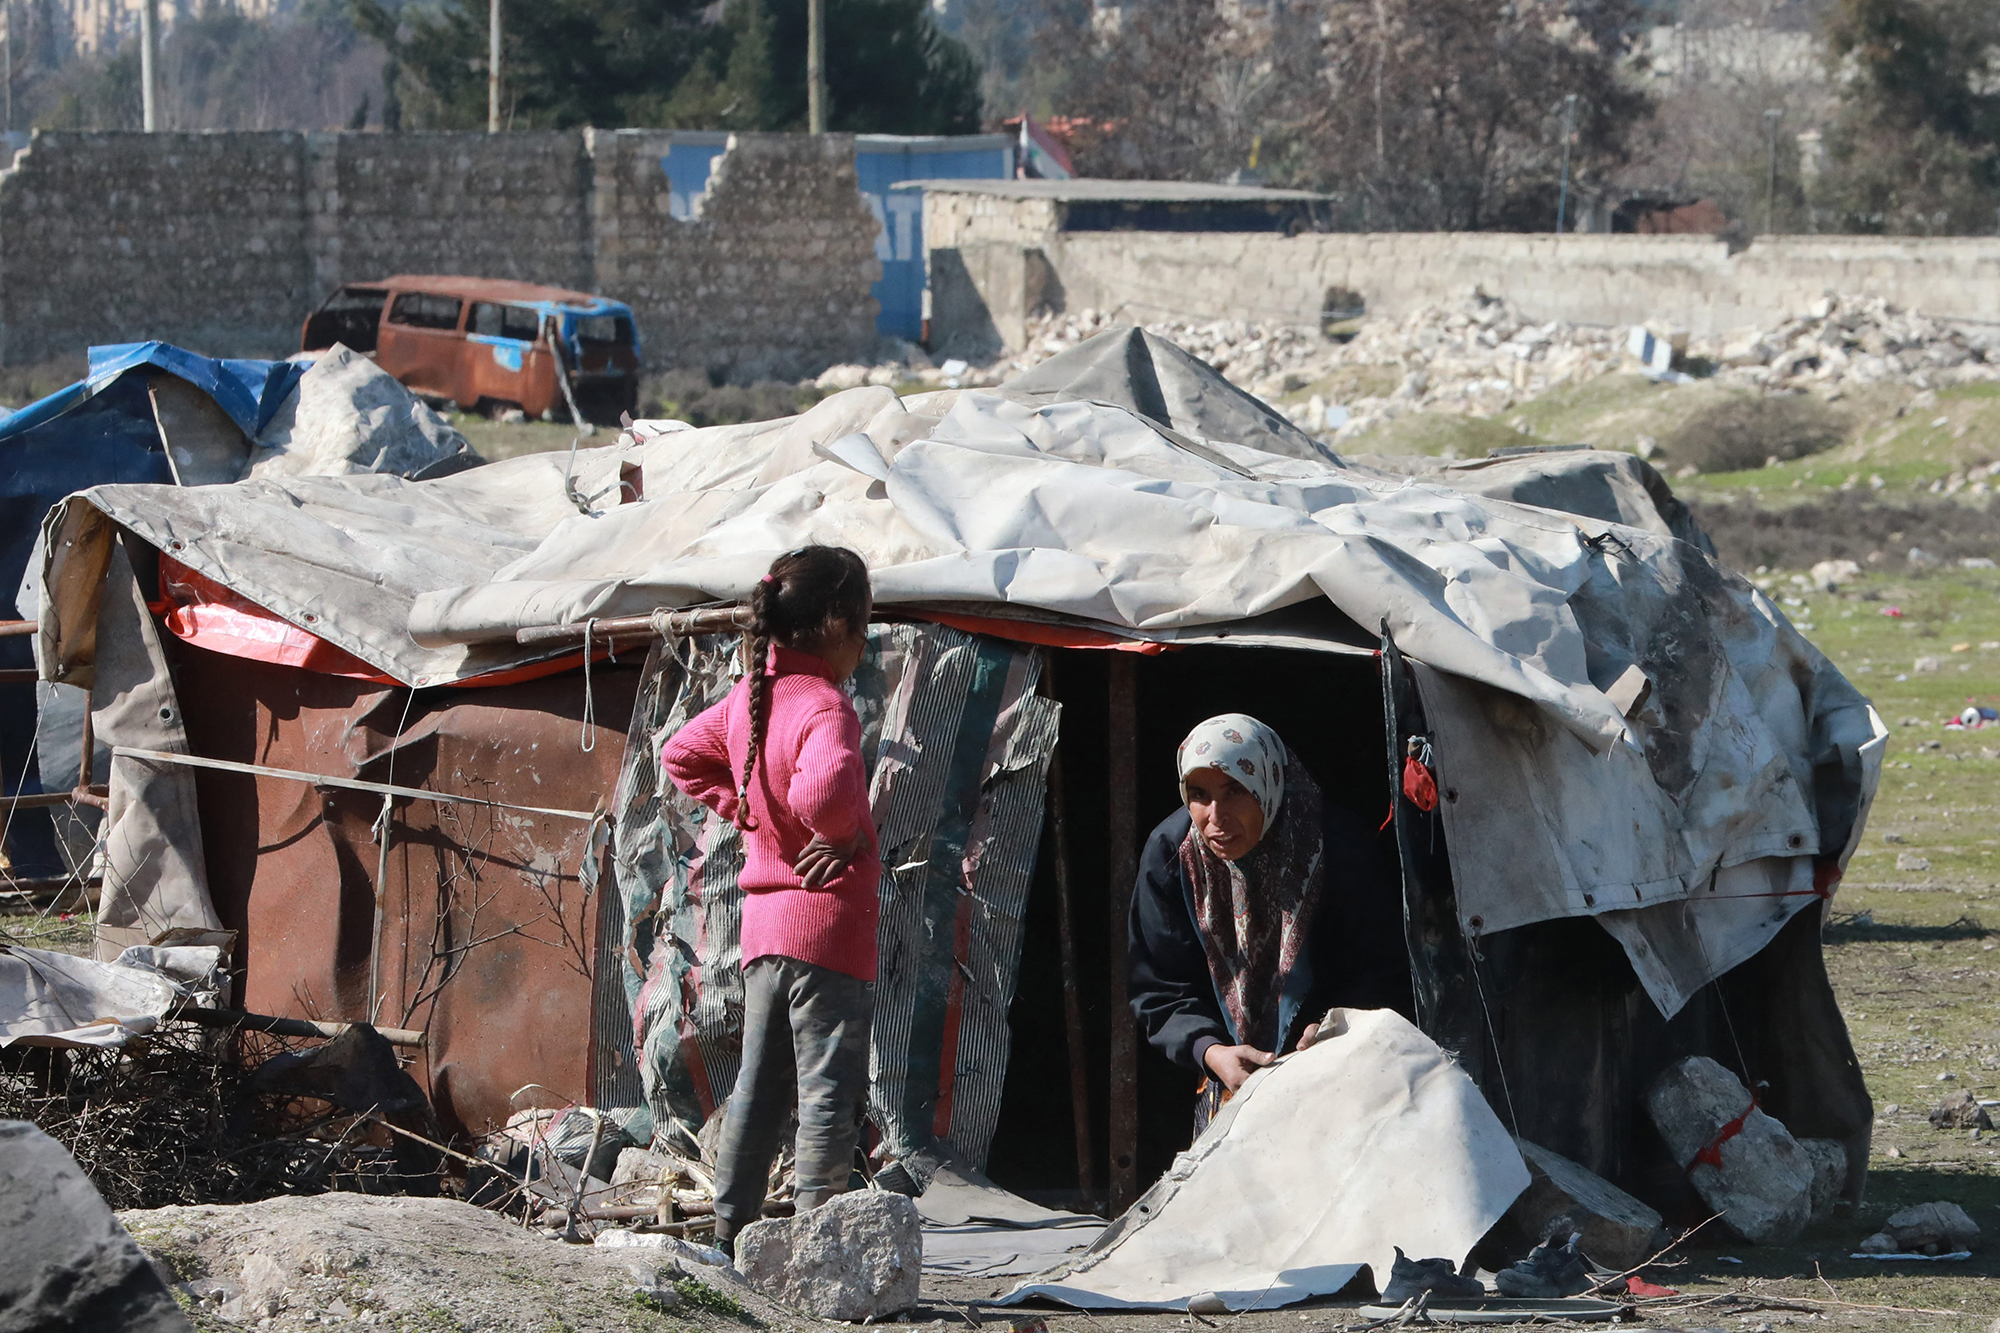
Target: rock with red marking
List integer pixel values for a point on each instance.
(1744, 1164)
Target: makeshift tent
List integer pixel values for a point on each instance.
(152, 412)
(1650, 781)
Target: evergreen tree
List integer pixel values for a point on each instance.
(732, 64)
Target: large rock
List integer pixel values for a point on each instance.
(69, 1265)
(1763, 1187)
(1564, 1198)
(857, 1256)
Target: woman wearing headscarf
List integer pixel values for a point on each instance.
(1258, 906)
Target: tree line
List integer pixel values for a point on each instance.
(1793, 115)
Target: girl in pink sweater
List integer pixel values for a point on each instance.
(780, 757)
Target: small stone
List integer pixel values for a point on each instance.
(1892, 837)
(1925, 665)
(1943, 1225)
(1206, 1303)
(1895, 1152)
(1892, 1108)
(857, 1256)
(1911, 861)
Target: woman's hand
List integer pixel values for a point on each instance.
(820, 862)
(1234, 1064)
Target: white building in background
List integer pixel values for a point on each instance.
(90, 27)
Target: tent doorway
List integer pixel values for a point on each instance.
(1328, 709)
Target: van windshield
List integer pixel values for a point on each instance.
(616, 329)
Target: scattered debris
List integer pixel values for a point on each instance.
(1565, 1198)
(1744, 1164)
(1961, 1110)
(858, 1256)
(69, 1263)
(1925, 1229)
(1479, 357)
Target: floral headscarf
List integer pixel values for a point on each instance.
(1254, 914)
(1245, 749)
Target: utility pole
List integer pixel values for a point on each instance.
(149, 65)
(816, 66)
(1771, 119)
(493, 67)
(1569, 133)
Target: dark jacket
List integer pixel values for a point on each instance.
(1356, 949)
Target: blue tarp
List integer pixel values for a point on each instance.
(882, 160)
(98, 430)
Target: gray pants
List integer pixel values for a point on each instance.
(805, 1034)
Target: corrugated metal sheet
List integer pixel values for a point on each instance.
(958, 744)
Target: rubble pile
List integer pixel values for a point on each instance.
(1479, 357)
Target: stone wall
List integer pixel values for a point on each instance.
(1684, 282)
(224, 242)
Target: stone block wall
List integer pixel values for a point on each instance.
(1684, 282)
(771, 279)
(224, 242)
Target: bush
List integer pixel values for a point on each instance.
(1845, 526)
(1747, 431)
(690, 396)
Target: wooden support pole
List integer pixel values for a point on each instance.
(1079, 1051)
(1124, 868)
(703, 620)
(287, 1027)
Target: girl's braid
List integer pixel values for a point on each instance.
(757, 645)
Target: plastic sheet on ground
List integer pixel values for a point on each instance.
(973, 1228)
(1320, 1164)
(58, 999)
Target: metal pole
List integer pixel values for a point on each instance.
(1124, 866)
(149, 71)
(816, 66)
(1771, 119)
(1569, 132)
(1079, 1051)
(493, 67)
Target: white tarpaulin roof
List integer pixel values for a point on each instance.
(1657, 718)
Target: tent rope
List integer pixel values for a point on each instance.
(1493, 1034)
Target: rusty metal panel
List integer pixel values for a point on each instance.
(489, 937)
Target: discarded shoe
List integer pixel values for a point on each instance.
(1409, 1277)
(1550, 1271)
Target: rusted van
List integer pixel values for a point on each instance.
(488, 344)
